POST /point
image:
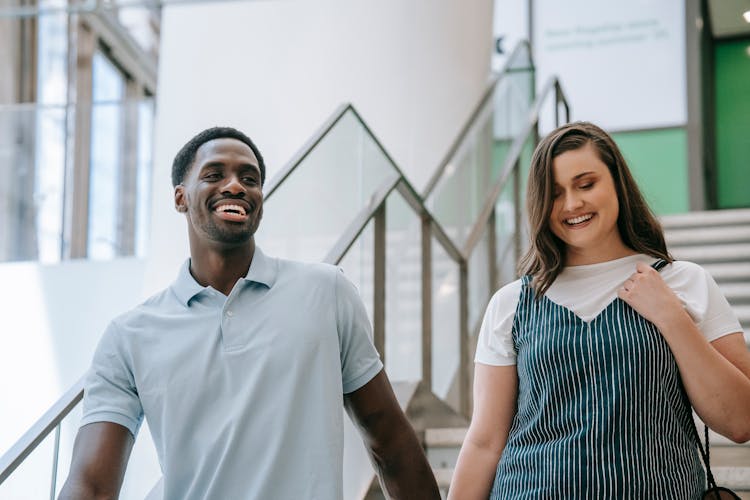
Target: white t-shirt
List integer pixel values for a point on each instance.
(587, 290)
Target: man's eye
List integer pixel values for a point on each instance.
(250, 180)
(212, 177)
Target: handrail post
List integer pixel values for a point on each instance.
(516, 212)
(378, 300)
(55, 458)
(427, 301)
(463, 363)
(492, 251)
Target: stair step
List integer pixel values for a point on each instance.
(708, 235)
(443, 438)
(706, 218)
(717, 253)
(735, 478)
(443, 477)
(743, 314)
(736, 293)
(730, 456)
(729, 271)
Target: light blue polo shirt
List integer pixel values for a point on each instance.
(243, 394)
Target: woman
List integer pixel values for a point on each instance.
(584, 366)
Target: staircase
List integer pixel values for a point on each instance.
(720, 242)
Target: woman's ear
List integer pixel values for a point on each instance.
(179, 198)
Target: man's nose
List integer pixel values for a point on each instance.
(232, 185)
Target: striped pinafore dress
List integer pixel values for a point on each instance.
(601, 411)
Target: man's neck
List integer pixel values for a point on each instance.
(221, 268)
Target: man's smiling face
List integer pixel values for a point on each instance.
(221, 193)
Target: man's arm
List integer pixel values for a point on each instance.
(100, 455)
(395, 450)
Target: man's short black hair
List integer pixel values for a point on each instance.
(186, 156)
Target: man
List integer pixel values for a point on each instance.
(242, 364)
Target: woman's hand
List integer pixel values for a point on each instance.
(647, 293)
(716, 375)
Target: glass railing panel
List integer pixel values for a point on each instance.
(479, 280)
(525, 166)
(306, 215)
(358, 266)
(477, 164)
(39, 163)
(403, 282)
(505, 222)
(32, 478)
(505, 232)
(445, 324)
(68, 431)
(457, 197)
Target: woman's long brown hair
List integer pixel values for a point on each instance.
(639, 228)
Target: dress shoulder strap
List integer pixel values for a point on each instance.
(659, 264)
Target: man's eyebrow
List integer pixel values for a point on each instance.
(251, 166)
(212, 164)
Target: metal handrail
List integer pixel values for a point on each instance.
(374, 210)
(511, 161)
(506, 69)
(307, 148)
(40, 430)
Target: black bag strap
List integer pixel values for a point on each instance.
(705, 453)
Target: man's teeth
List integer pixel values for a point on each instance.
(578, 220)
(231, 208)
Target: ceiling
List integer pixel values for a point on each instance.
(726, 18)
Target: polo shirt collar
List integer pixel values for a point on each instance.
(262, 270)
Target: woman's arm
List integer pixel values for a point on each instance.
(495, 393)
(716, 375)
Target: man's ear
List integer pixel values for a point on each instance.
(179, 198)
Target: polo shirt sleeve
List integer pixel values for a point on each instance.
(109, 393)
(360, 361)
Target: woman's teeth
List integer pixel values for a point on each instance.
(578, 220)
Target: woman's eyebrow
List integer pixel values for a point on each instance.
(582, 174)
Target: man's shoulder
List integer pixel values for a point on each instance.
(311, 270)
(157, 304)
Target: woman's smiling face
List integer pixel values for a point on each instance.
(585, 208)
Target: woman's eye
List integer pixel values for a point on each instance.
(587, 185)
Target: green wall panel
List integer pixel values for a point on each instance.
(732, 99)
(658, 160)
